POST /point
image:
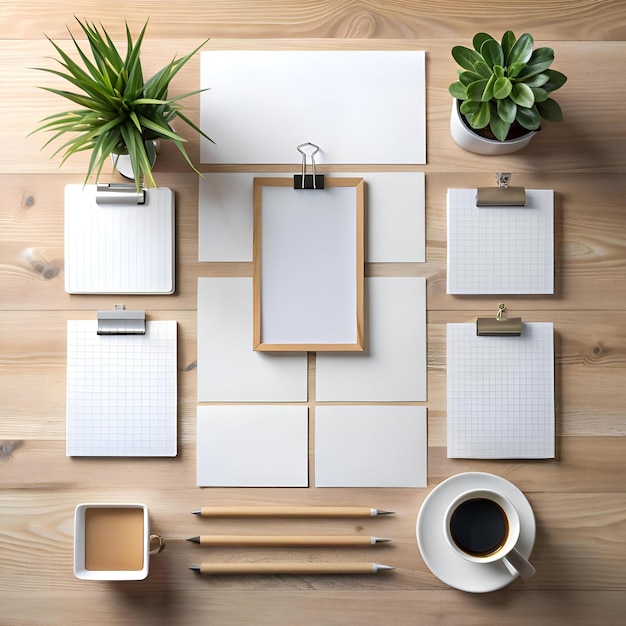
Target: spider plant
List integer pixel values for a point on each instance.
(119, 112)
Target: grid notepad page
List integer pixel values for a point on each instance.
(500, 393)
(500, 250)
(121, 391)
(119, 248)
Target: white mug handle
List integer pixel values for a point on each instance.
(160, 544)
(520, 563)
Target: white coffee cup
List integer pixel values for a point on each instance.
(113, 541)
(483, 526)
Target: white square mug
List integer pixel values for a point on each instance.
(113, 541)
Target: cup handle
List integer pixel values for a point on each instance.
(520, 563)
(161, 544)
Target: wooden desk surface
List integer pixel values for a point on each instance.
(579, 498)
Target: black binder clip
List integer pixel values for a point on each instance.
(119, 193)
(502, 195)
(304, 180)
(119, 321)
(499, 326)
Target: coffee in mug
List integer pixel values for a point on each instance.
(483, 526)
(113, 541)
(479, 526)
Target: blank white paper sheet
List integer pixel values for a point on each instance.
(119, 248)
(121, 391)
(392, 368)
(394, 204)
(500, 393)
(370, 446)
(229, 370)
(500, 250)
(358, 106)
(252, 446)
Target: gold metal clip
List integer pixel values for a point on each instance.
(502, 195)
(499, 326)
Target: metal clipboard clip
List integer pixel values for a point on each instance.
(119, 321)
(304, 180)
(502, 195)
(119, 193)
(499, 326)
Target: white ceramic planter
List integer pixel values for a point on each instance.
(123, 165)
(470, 141)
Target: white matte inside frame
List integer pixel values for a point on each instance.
(308, 265)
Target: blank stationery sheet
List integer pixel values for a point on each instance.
(500, 393)
(359, 106)
(121, 391)
(500, 250)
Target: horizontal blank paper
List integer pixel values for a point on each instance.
(500, 393)
(229, 370)
(370, 446)
(252, 446)
(500, 250)
(121, 391)
(359, 106)
(394, 203)
(393, 365)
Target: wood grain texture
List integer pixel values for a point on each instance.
(579, 498)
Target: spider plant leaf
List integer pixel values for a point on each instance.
(161, 129)
(182, 150)
(194, 126)
(135, 118)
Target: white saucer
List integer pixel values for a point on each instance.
(443, 562)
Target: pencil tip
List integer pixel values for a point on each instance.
(196, 512)
(195, 568)
(194, 539)
(379, 512)
(381, 539)
(384, 568)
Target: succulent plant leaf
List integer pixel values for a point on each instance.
(522, 95)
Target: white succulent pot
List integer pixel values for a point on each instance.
(465, 137)
(123, 165)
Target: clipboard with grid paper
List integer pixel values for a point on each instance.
(500, 249)
(121, 391)
(500, 393)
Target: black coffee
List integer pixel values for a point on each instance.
(479, 527)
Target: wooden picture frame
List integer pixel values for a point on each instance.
(308, 265)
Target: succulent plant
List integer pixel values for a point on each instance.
(502, 84)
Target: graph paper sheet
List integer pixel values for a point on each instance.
(500, 250)
(500, 393)
(119, 248)
(121, 391)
